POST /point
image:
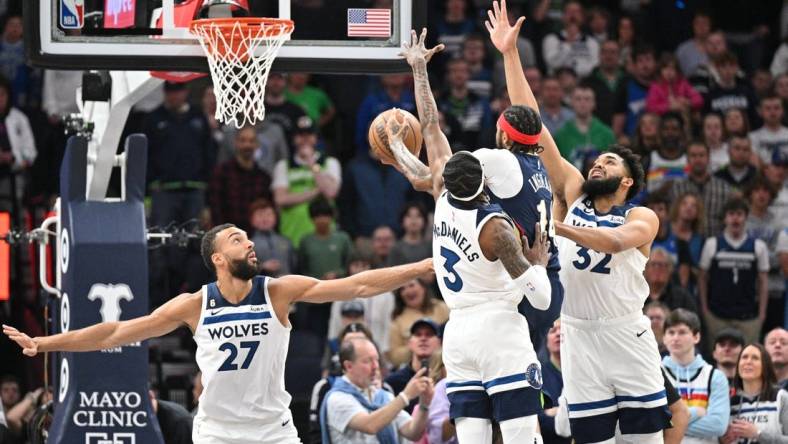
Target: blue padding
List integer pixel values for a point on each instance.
(469, 404)
(594, 428)
(641, 421)
(516, 403)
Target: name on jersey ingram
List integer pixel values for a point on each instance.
(445, 230)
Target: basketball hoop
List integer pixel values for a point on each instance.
(240, 53)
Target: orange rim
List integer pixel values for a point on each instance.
(248, 25)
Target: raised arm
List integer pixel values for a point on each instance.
(638, 231)
(362, 285)
(565, 179)
(181, 311)
(438, 149)
(525, 265)
(410, 166)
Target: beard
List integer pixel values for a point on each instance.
(594, 188)
(242, 269)
(499, 141)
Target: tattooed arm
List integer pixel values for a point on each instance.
(411, 167)
(565, 179)
(499, 242)
(438, 149)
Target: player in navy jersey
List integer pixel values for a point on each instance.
(609, 356)
(483, 272)
(240, 324)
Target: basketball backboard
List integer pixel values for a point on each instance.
(331, 36)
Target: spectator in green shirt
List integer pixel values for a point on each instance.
(314, 101)
(307, 174)
(324, 255)
(584, 133)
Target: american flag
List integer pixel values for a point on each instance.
(368, 22)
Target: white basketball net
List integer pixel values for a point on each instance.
(240, 58)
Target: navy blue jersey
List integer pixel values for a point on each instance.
(519, 184)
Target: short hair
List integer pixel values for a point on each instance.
(525, 120)
(760, 183)
(208, 245)
(5, 379)
(347, 350)
(683, 316)
(662, 250)
(355, 327)
(672, 115)
(463, 174)
(699, 143)
(474, 36)
(261, 204)
(735, 204)
(770, 96)
(320, 206)
(657, 304)
(634, 168)
(643, 49)
(727, 58)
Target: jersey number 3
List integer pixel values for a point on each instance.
(455, 283)
(585, 260)
(229, 363)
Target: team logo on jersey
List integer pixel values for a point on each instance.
(72, 14)
(110, 295)
(533, 375)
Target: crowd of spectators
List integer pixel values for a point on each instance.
(698, 88)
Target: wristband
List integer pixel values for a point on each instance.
(404, 398)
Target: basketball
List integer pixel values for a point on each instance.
(378, 139)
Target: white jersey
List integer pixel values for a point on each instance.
(600, 285)
(465, 277)
(241, 351)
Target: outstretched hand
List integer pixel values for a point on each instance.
(539, 253)
(502, 33)
(415, 51)
(395, 127)
(28, 344)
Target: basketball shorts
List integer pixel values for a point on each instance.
(492, 369)
(611, 371)
(210, 431)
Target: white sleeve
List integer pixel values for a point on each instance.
(762, 253)
(279, 177)
(708, 253)
(502, 173)
(782, 241)
(341, 409)
(334, 169)
(535, 285)
(335, 321)
(554, 52)
(780, 61)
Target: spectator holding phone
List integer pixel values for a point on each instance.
(423, 343)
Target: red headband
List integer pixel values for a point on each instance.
(517, 136)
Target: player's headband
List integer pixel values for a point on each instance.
(481, 182)
(517, 136)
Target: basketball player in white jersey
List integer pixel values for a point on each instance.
(240, 324)
(483, 273)
(609, 356)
